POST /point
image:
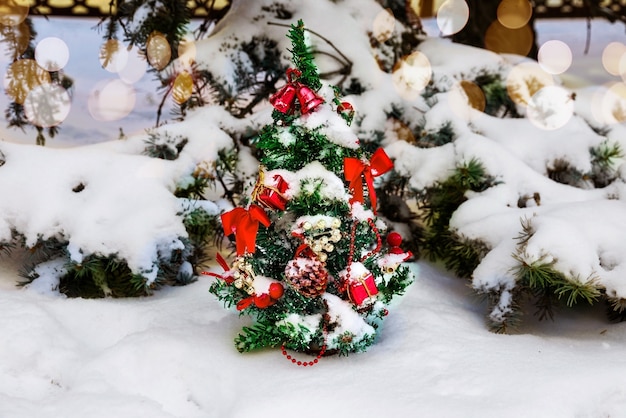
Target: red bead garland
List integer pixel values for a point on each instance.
(303, 363)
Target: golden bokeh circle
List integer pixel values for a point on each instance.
(411, 75)
(383, 26)
(503, 40)
(525, 79)
(113, 56)
(158, 51)
(21, 77)
(611, 57)
(452, 16)
(183, 87)
(12, 14)
(514, 14)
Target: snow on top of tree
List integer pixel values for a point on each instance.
(312, 177)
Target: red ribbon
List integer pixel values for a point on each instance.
(222, 262)
(355, 169)
(244, 224)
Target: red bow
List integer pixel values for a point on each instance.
(244, 224)
(355, 169)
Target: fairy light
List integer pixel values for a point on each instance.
(187, 52)
(411, 75)
(550, 108)
(608, 103)
(135, 68)
(158, 51)
(12, 14)
(52, 54)
(612, 55)
(555, 57)
(113, 56)
(514, 14)
(111, 100)
(21, 77)
(501, 39)
(525, 79)
(47, 105)
(452, 16)
(384, 25)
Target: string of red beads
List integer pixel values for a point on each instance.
(303, 363)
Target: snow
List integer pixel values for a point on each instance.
(171, 354)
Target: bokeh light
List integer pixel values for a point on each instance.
(47, 105)
(464, 96)
(514, 14)
(384, 25)
(52, 54)
(555, 57)
(187, 52)
(12, 14)
(550, 108)
(411, 75)
(15, 43)
(113, 56)
(158, 51)
(452, 16)
(525, 79)
(182, 88)
(608, 104)
(111, 100)
(21, 77)
(611, 57)
(135, 68)
(503, 40)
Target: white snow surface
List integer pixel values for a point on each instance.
(172, 355)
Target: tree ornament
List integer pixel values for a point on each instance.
(306, 275)
(284, 98)
(309, 100)
(244, 224)
(319, 233)
(270, 193)
(355, 170)
(360, 283)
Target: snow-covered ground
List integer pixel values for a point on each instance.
(171, 355)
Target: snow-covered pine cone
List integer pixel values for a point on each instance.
(307, 275)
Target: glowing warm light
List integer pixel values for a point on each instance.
(503, 40)
(113, 56)
(452, 16)
(111, 100)
(136, 67)
(608, 104)
(411, 75)
(550, 108)
(555, 57)
(612, 56)
(47, 105)
(526, 79)
(514, 14)
(158, 51)
(12, 14)
(52, 54)
(21, 77)
(183, 87)
(384, 25)
(187, 52)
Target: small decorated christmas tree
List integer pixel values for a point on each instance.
(315, 268)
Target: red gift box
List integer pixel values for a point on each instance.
(362, 288)
(271, 196)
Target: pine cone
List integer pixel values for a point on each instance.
(307, 275)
